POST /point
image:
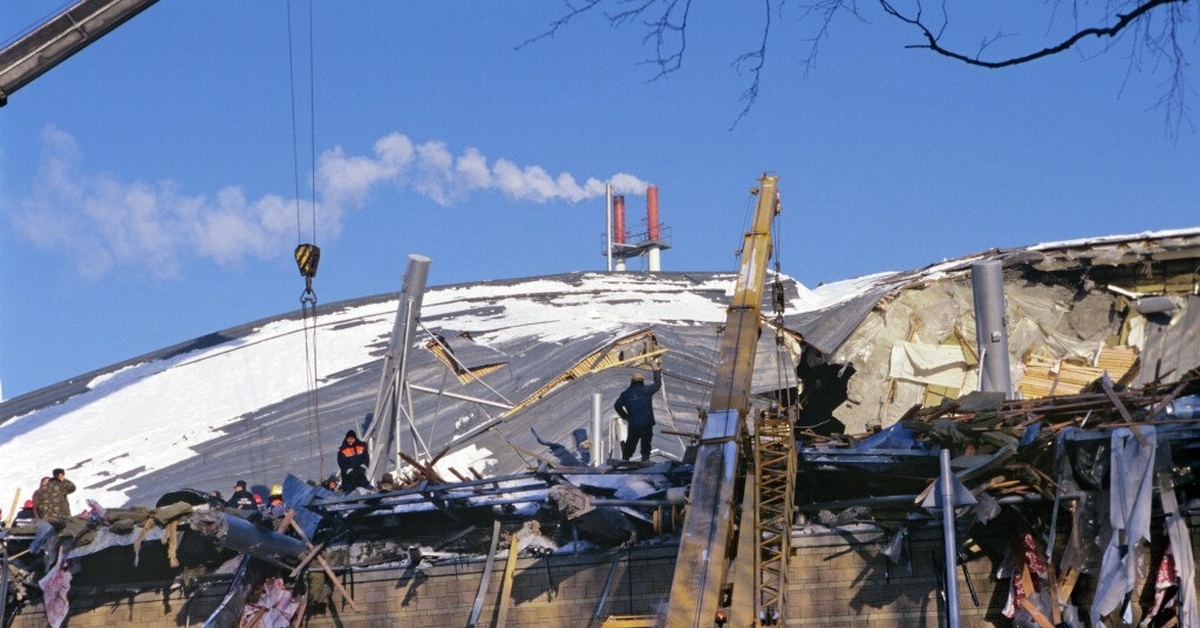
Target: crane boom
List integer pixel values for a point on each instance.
(701, 568)
(61, 36)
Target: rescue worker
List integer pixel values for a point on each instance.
(353, 459)
(275, 508)
(241, 499)
(25, 514)
(636, 407)
(50, 501)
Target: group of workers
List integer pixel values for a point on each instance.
(635, 406)
(49, 501)
(353, 459)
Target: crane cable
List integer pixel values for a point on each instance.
(307, 255)
(785, 377)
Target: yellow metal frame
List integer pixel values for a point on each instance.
(630, 621)
(775, 471)
(630, 350)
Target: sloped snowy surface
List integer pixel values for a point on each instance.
(237, 407)
(236, 404)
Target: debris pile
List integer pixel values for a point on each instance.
(1072, 491)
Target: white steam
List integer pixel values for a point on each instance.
(103, 222)
(432, 170)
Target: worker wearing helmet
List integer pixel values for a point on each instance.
(275, 507)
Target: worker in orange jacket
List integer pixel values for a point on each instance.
(353, 459)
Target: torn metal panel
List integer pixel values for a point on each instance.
(1132, 470)
(1171, 344)
(1181, 547)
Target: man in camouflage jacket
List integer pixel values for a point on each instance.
(51, 499)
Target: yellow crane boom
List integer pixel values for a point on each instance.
(701, 569)
(61, 36)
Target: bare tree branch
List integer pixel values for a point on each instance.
(755, 59)
(666, 24)
(671, 24)
(1123, 21)
(573, 11)
(823, 13)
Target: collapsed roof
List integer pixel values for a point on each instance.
(530, 354)
(1104, 346)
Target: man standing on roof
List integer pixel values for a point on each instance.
(51, 500)
(353, 459)
(636, 407)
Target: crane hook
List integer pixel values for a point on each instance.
(308, 256)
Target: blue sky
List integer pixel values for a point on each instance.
(148, 184)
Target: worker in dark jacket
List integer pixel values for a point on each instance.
(51, 500)
(241, 499)
(353, 459)
(636, 407)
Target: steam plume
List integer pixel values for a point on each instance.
(103, 222)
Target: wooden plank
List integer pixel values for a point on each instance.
(1106, 383)
(514, 548)
(333, 577)
(287, 521)
(477, 607)
(1038, 616)
(308, 558)
(1067, 585)
(12, 512)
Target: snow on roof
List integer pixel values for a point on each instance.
(236, 405)
(138, 420)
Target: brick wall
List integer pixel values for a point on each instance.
(150, 607)
(842, 579)
(546, 593)
(836, 580)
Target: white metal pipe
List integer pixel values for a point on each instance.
(951, 543)
(609, 220)
(596, 439)
(446, 393)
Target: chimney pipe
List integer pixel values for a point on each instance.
(619, 219)
(652, 212)
(653, 254)
(991, 327)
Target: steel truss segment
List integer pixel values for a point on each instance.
(775, 472)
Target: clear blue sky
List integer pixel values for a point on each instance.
(147, 185)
